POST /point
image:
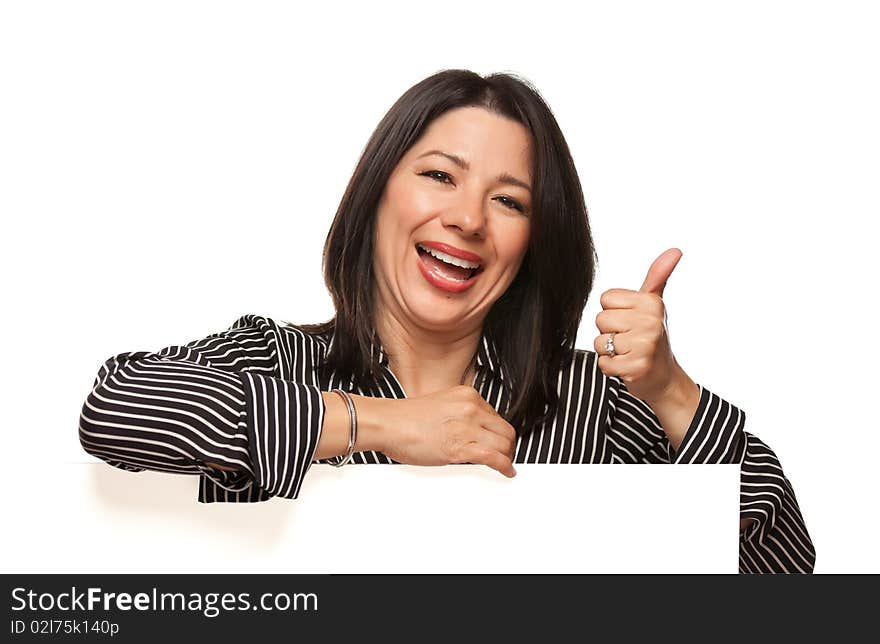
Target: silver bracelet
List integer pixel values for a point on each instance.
(352, 414)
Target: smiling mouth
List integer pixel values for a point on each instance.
(446, 269)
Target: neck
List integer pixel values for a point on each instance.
(426, 361)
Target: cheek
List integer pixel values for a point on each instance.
(383, 242)
(398, 223)
(394, 228)
(408, 201)
(515, 243)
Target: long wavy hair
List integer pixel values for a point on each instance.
(534, 323)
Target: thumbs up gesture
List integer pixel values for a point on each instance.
(637, 319)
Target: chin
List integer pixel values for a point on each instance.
(435, 313)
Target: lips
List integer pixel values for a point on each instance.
(447, 249)
(443, 275)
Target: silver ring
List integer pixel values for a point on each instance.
(609, 345)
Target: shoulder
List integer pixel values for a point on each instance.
(297, 348)
(584, 360)
(279, 330)
(584, 368)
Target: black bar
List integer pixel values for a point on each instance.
(239, 608)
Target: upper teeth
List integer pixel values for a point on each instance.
(449, 259)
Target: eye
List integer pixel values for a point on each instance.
(443, 177)
(432, 174)
(512, 204)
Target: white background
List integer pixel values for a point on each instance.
(166, 167)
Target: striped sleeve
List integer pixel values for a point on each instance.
(778, 541)
(284, 419)
(219, 399)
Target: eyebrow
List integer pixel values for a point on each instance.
(504, 177)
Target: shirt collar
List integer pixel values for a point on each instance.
(487, 352)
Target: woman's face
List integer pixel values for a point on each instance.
(479, 207)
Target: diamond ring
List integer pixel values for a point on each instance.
(609, 345)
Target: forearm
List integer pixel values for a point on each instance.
(676, 409)
(336, 429)
(115, 427)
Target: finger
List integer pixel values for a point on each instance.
(619, 298)
(497, 425)
(477, 454)
(495, 441)
(660, 271)
(621, 344)
(607, 366)
(616, 320)
(619, 366)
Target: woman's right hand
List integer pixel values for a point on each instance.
(454, 425)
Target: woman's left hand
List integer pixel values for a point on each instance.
(642, 356)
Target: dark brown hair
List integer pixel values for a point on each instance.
(535, 323)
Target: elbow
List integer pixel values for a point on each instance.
(100, 430)
(98, 438)
(91, 438)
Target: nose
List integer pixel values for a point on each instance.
(467, 215)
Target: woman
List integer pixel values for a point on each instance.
(459, 261)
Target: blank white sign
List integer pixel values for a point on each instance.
(393, 519)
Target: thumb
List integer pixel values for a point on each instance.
(660, 271)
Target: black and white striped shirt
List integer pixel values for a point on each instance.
(250, 397)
